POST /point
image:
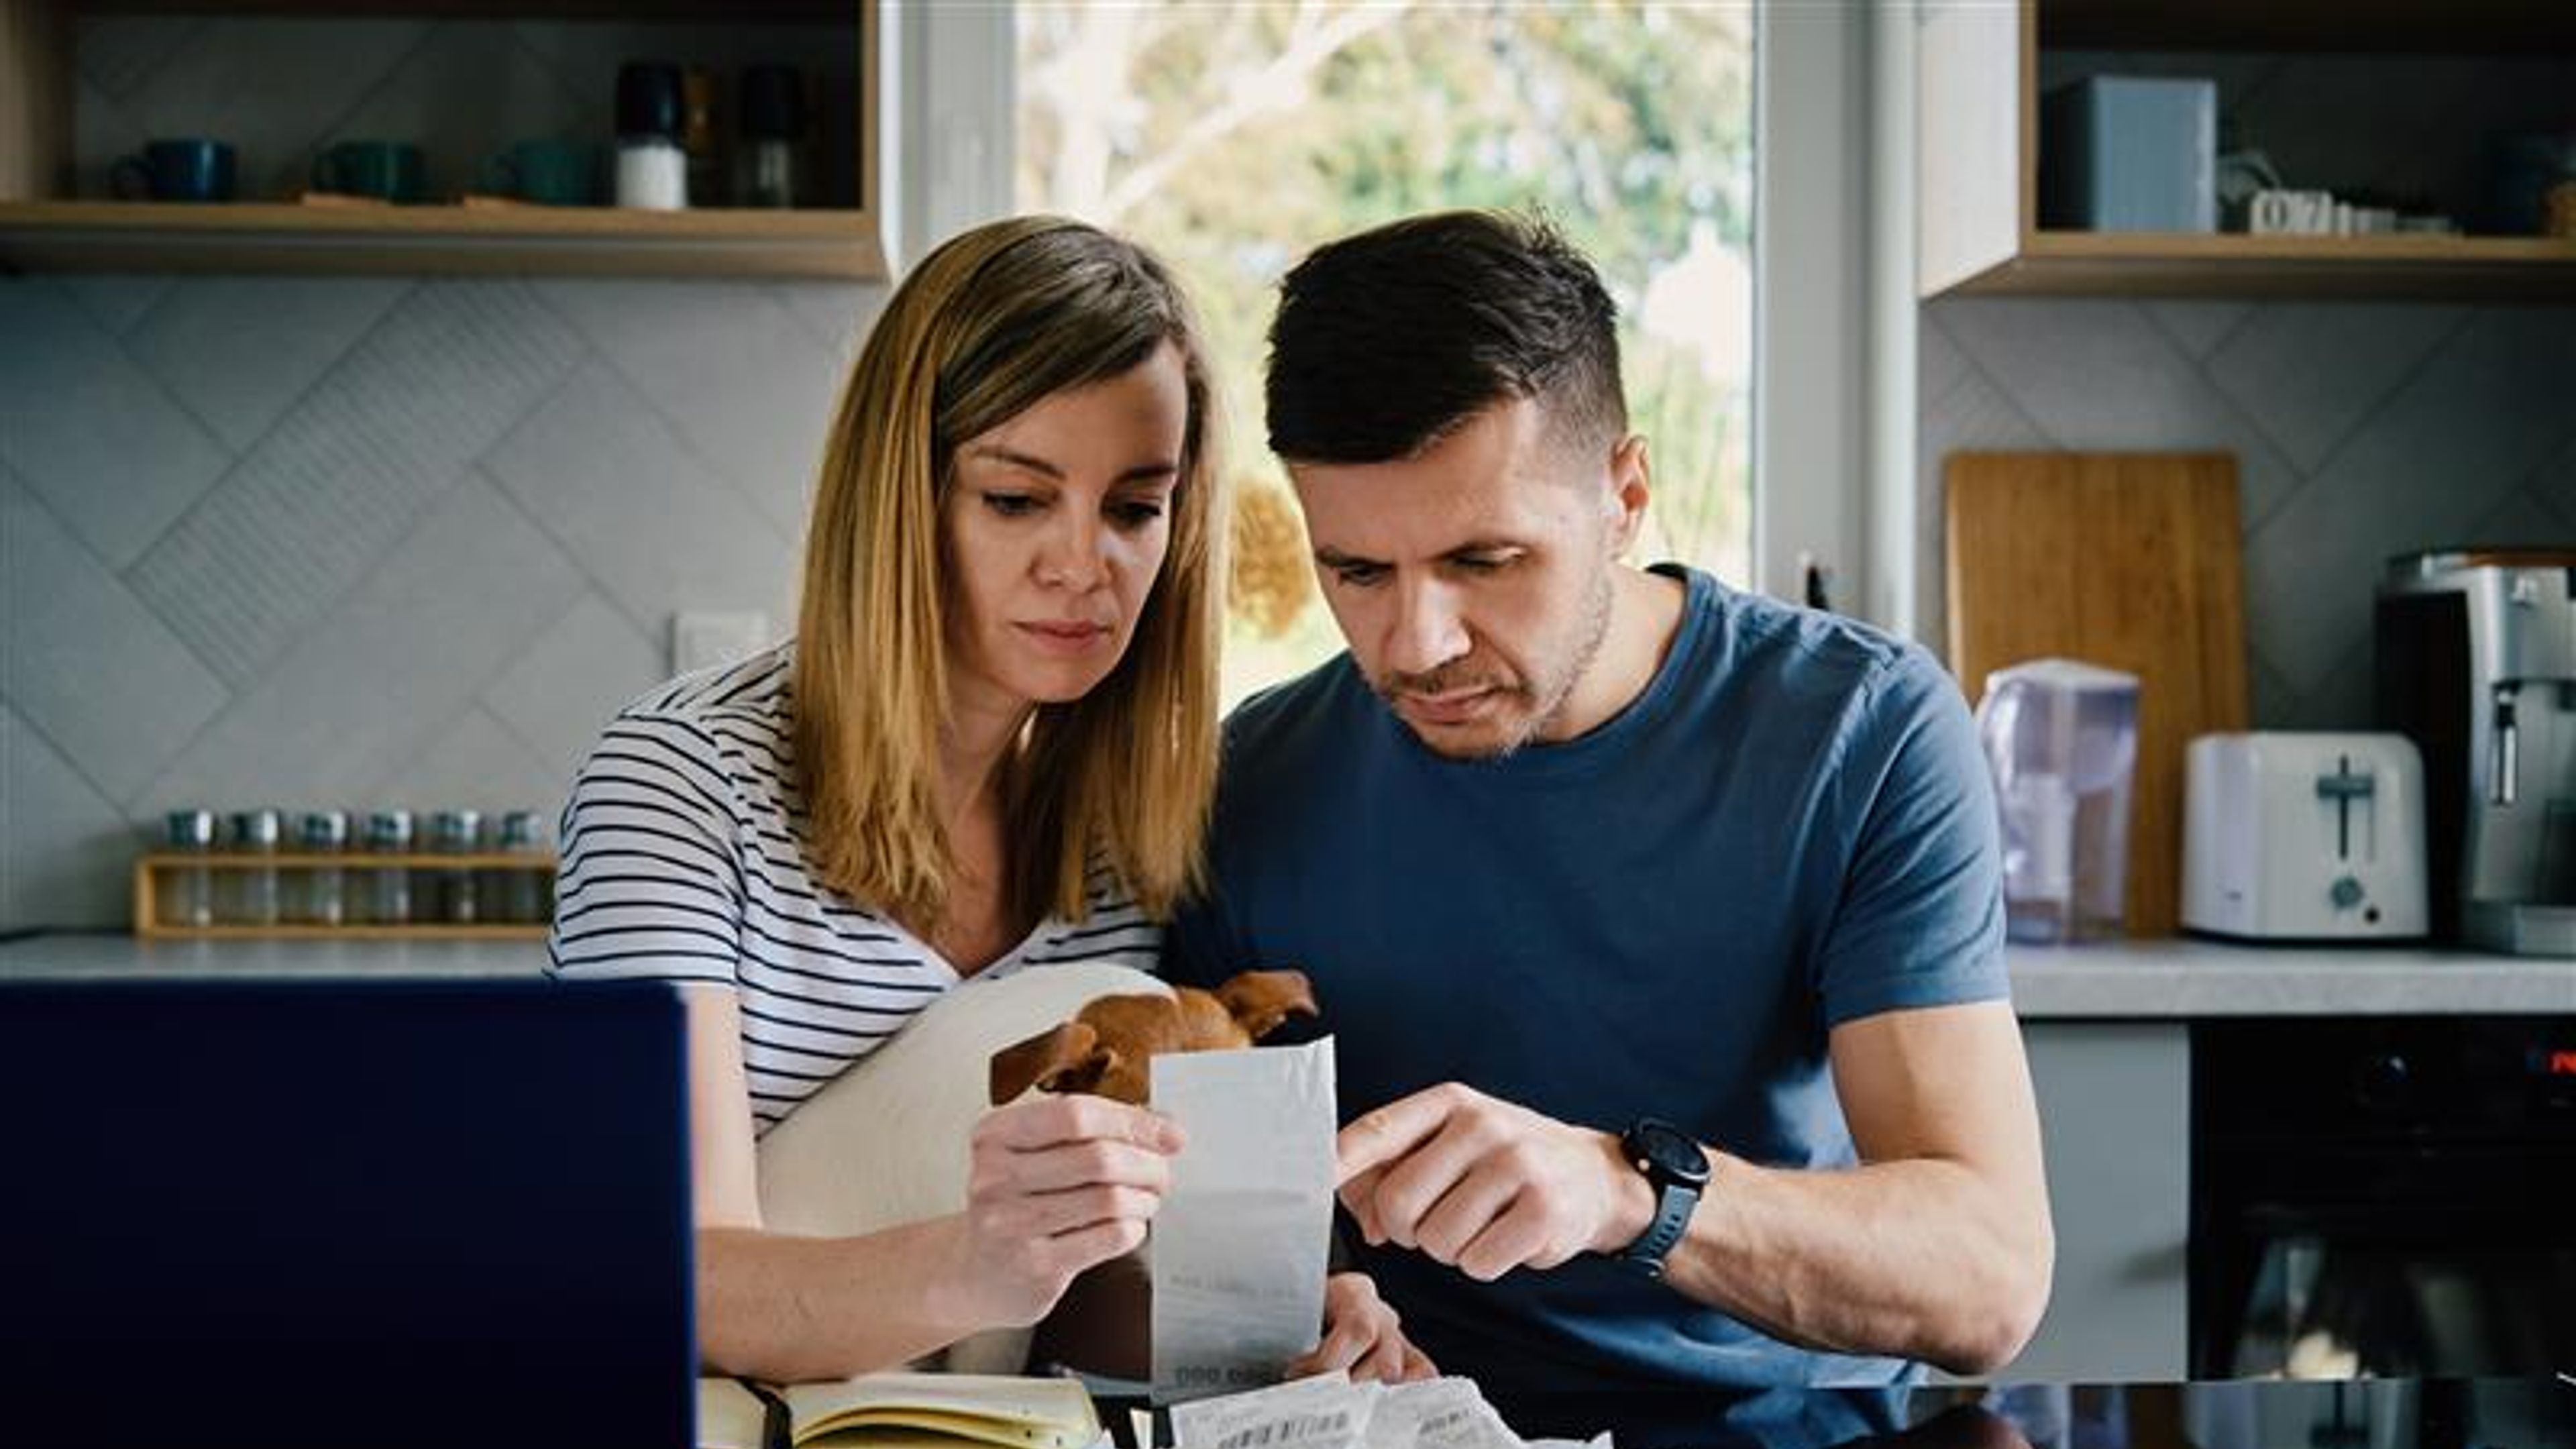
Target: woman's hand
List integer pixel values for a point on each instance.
(1057, 1184)
(1360, 1334)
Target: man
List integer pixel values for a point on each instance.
(1659, 925)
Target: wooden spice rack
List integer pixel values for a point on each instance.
(151, 868)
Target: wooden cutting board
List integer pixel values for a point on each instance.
(2128, 560)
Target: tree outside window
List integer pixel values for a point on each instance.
(1231, 138)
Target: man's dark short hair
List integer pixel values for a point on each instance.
(1387, 341)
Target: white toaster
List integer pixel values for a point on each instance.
(2304, 836)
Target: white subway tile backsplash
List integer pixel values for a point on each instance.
(2490, 407)
(116, 301)
(686, 349)
(119, 53)
(380, 625)
(627, 498)
(376, 682)
(2523, 517)
(2421, 471)
(2100, 376)
(833, 313)
(67, 851)
(358, 458)
(2555, 481)
(2307, 374)
(2267, 693)
(238, 351)
(1939, 365)
(2091, 368)
(477, 763)
(2342, 697)
(90, 431)
(575, 675)
(1973, 413)
(85, 661)
(2199, 327)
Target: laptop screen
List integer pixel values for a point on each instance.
(343, 1212)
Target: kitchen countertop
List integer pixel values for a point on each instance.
(2111, 980)
(2179, 977)
(97, 954)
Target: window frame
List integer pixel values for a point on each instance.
(1812, 245)
(1817, 445)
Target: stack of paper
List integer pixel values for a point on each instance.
(1328, 1411)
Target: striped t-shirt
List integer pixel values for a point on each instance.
(684, 860)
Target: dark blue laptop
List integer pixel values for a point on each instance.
(346, 1212)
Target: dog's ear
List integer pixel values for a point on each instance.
(1260, 1000)
(1067, 1058)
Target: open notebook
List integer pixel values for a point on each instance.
(900, 1411)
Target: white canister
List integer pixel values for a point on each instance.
(652, 174)
(652, 168)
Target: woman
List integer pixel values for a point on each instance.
(991, 745)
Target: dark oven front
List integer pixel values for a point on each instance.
(2383, 1196)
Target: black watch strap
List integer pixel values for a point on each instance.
(1673, 1204)
(1673, 1166)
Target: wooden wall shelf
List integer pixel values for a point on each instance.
(285, 237)
(43, 227)
(620, 10)
(2154, 264)
(2454, 27)
(1977, 180)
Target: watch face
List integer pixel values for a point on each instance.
(1667, 1152)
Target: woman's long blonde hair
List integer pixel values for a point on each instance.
(985, 327)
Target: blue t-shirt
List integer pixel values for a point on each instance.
(1790, 828)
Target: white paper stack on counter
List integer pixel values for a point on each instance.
(1328, 1411)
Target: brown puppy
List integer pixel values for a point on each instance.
(1104, 1048)
(1101, 1322)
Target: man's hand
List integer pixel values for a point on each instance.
(1360, 1335)
(1486, 1186)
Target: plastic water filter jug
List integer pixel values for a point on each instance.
(2062, 740)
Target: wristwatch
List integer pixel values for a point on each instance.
(1678, 1170)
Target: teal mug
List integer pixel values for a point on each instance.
(188, 169)
(386, 170)
(552, 173)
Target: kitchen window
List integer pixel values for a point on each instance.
(1233, 137)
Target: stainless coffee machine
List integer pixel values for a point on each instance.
(2476, 663)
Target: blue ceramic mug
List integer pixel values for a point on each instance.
(179, 169)
(554, 173)
(386, 170)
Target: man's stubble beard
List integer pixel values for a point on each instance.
(1596, 631)
(1552, 696)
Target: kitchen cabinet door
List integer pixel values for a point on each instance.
(2115, 1121)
